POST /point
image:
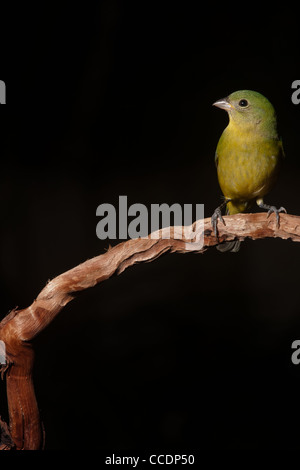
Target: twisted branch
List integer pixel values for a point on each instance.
(21, 326)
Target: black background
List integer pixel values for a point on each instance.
(115, 99)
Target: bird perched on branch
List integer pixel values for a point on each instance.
(248, 156)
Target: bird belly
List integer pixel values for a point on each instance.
(246, 174)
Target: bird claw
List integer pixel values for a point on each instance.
(276, 212)
(217, 215)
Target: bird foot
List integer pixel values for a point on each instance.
(270, 210)
(276, 212)
(217, 215)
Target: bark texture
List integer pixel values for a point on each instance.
(19, 327)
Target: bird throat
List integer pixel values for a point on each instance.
(253, 129)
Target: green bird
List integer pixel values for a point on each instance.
(248, 156)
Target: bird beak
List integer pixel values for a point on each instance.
(223, 104)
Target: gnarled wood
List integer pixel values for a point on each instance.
(19, 327)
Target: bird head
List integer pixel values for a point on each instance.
(249, 110)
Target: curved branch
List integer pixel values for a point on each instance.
(21, 326)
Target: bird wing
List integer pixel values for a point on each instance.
(216, 159)
(281, 146)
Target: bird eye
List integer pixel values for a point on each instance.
(243, 103)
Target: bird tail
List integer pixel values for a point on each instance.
(234, 207)
(233, 246)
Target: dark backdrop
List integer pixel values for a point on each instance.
(190, 351)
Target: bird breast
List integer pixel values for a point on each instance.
(247, 169)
